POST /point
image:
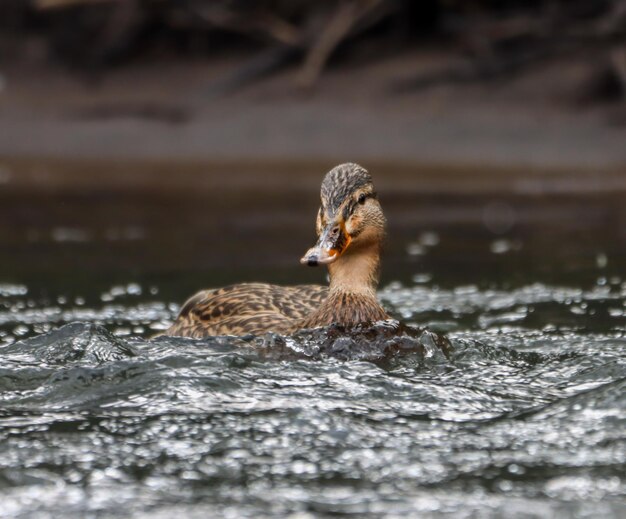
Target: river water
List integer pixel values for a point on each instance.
(505, 396)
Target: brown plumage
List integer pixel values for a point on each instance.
(350, 229)
(247, 308)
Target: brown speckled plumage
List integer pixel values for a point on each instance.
(350, 228)
(247, 308)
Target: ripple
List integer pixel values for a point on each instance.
(531, 306)
(503, 416)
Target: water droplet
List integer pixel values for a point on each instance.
(429, 239)
(513, 468)
(133, 289)
(505, 485)
(71, 234)
(13, 290)
(500, 246)
(499, 217)
(422, 278)
(20, 330)
(415, 249)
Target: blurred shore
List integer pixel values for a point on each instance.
(150, 168)
(177, 111)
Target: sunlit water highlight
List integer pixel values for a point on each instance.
(522, 416)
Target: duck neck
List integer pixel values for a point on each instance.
(356, 272)
(352, 298)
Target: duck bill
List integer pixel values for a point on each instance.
(330, 246)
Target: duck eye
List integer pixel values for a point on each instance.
(362, 198)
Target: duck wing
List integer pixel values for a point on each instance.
(247, 308)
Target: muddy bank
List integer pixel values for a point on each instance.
(168, 110)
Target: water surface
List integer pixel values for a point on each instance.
(523, 416)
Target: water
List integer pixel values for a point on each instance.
(520, 412)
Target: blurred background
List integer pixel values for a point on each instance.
(181, 143)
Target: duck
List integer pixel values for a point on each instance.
(350, 228)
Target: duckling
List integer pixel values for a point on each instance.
(350, 228)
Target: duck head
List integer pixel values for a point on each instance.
(349, 219)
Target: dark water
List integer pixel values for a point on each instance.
(523, 415)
